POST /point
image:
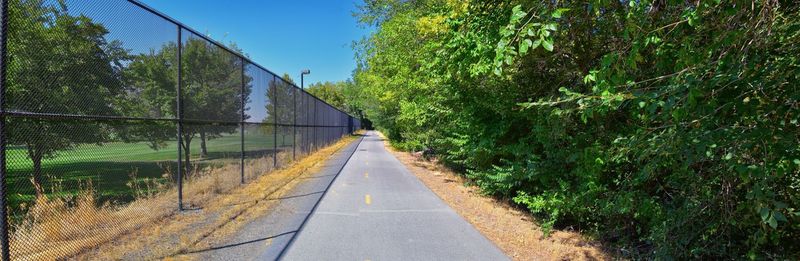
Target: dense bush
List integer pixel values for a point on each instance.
(668, 129)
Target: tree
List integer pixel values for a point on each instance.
(280, 109)
(330, 92)
(212, 91)
(58, 63)
(150, 82)
(344, 95)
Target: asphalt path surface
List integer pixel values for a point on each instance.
(363, 205)
(377, 210)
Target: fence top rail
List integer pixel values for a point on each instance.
(220, 45)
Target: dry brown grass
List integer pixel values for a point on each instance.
(55, 228)
(150, 227)
(511, 229)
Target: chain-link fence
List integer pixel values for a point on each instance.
(114, 115)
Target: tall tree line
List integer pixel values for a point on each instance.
(667, 129)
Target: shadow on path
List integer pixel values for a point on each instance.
(290, 214)
(240, 243)
(316, 204)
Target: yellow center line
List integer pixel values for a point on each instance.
(368, 199)
(366, 174)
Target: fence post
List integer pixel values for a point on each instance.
(275, 122)
(5, 253)
(294, 127)
(241, 125)
(316, 142)
(179, 114)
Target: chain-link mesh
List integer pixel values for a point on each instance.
(113, 115)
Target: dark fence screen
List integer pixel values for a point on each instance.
(115, 114)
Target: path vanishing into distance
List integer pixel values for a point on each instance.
(363, 205)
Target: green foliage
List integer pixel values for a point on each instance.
(61, 62)
(342, 95)
(49, 72)
(667, 129)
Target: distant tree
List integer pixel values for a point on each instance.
(344, 95)
(330, 92)
(150, 92)
(212, 90)
(281, 100)
(58, 63)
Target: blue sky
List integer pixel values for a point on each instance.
(285, 36)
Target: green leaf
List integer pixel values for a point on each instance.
(558, 12)
(498, 71)
(779, 216)
(678, 114)
(548, 44)
(536, 44)
(501, 44)
(764, 213)
(589, 78)
(517, 13)
(506, 32)
(772, 222)
(524, 45)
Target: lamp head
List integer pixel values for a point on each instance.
(306, 71)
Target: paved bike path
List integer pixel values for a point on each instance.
(377, 210)
(266, 237)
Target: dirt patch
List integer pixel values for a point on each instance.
(511, 229)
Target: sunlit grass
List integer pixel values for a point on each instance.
(109, 166)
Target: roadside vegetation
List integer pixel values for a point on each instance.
(151, 227)
(665, 129)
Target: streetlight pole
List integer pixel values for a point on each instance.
(303, 73)
(294, 136)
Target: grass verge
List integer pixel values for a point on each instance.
(110, 165)
(150, 227)
(216, 218)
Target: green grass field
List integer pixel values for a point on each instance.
(109, 166)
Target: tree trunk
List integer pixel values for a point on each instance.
(187, 154)
(36, 157)
(203, 150)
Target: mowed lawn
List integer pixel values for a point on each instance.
(111, 166)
